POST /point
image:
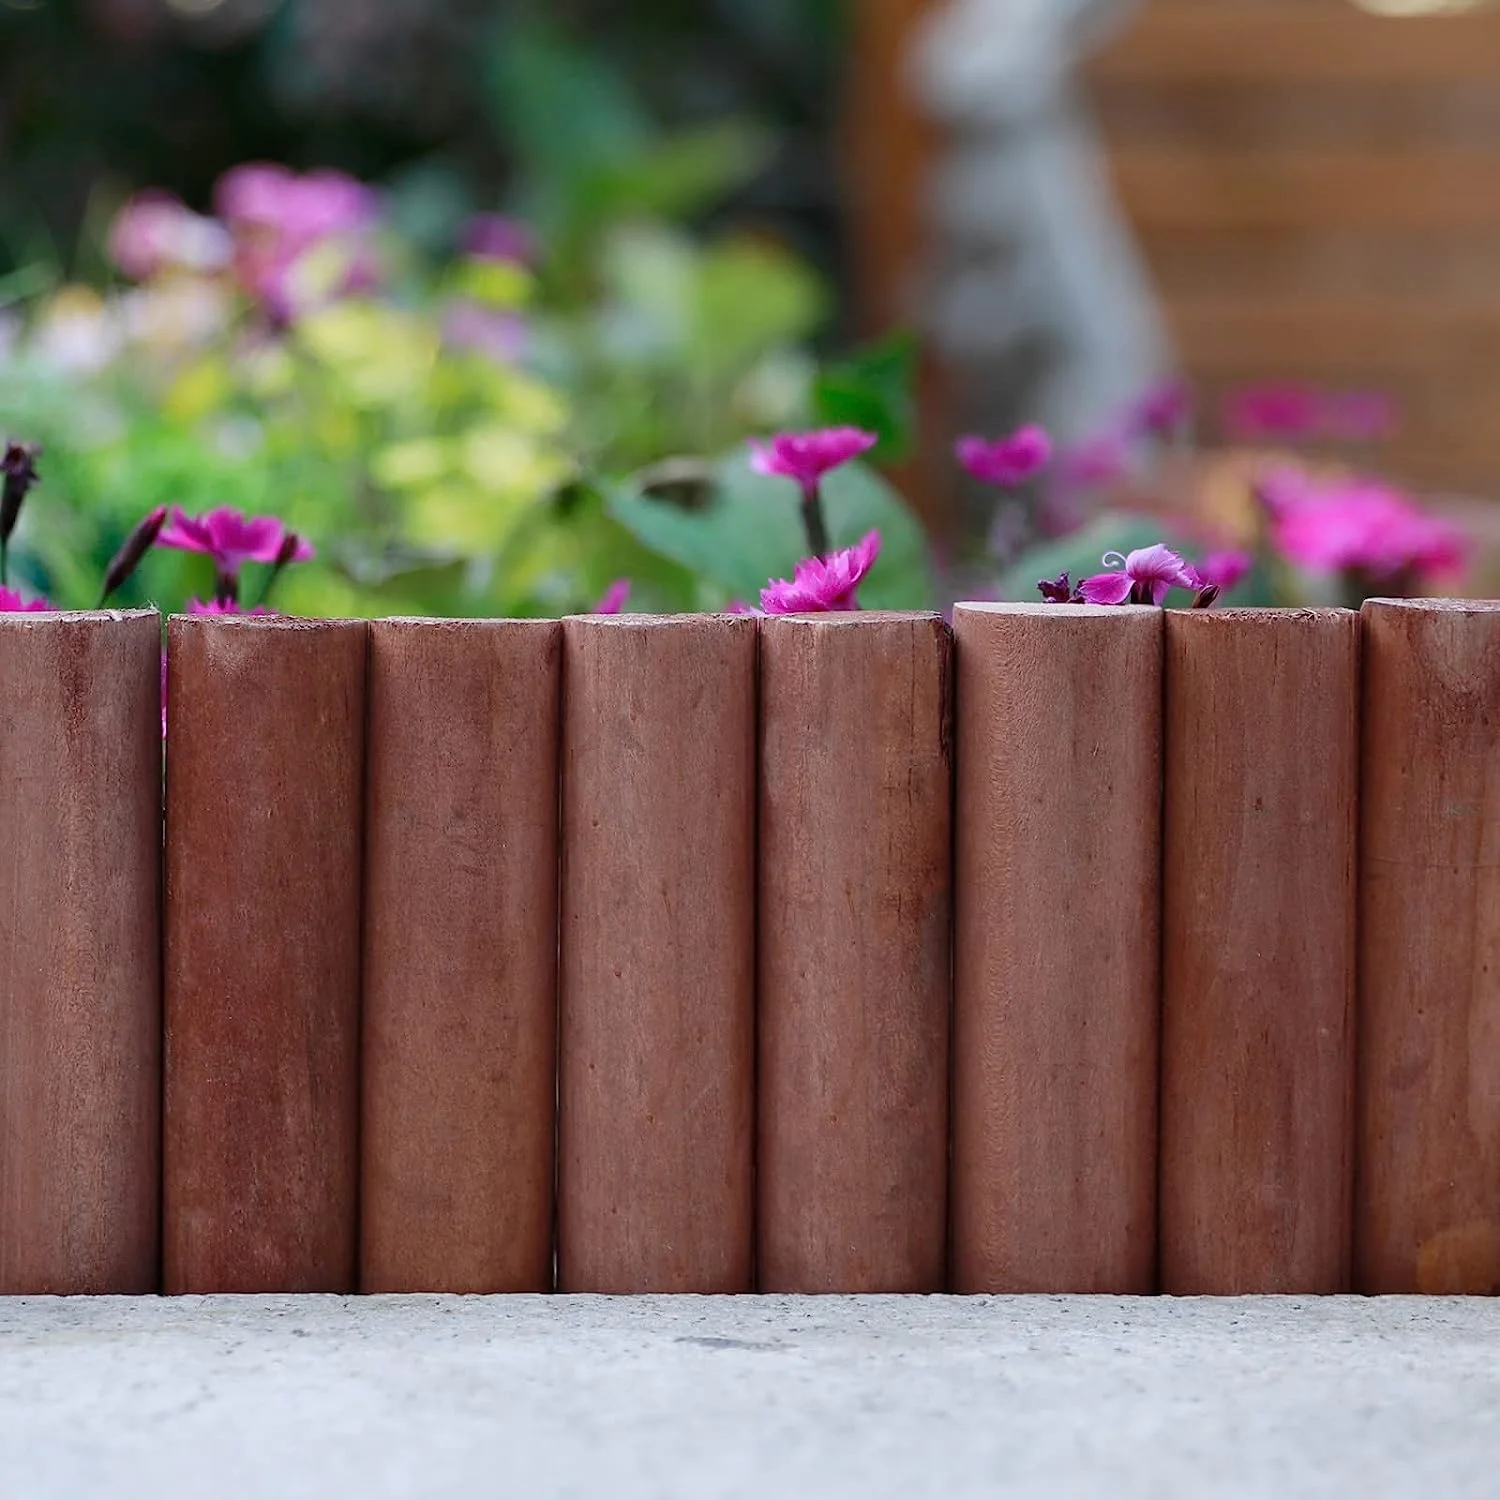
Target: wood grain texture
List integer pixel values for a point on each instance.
(854, 953)
(1428, 1210)
(657, 954)
(265, 770)
(1257, 1072)
(1323, 42)
(460, 943)
(1057, 829)
(80, 972)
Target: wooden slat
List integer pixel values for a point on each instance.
(1316, 337)
(1300, 42)
(1434, 191)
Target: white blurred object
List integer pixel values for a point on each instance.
(1033, 263)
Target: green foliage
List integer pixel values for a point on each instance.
(437, 479)
(744, 528)
(873, 388)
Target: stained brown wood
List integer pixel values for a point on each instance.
(657, 954)
(1324, 42)
(1057, 903)
(80, 973)
(855, 937)
(887, 148)
(1257, 1058)
(1442, 189)
(460, 956)
(1428, 1214)
(265, 769)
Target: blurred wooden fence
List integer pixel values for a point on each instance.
(1073, 951)
(1316, 189)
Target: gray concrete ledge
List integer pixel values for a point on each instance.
(390, 1398)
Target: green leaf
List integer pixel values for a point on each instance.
(751, 298)
(561, 108)
(750, 531)
(684, 174)
(873, 389)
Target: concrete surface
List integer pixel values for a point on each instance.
(217, 1399)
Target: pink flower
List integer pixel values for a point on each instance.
(1007, 461)
(1142, 578)
(1225, 569)
(739, 607)
(279, 218)
(494, 237)
(231, 538)
(497, 334)
(1163, 411)
(807, 456)
(11, 603)
(1362, 526)
(823, 584)
(298, 210)
(224, 607)
(1101, 460)
(1288, 412)
(155, 232)
(614, 599)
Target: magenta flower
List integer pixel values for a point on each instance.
(1059, 590)
(11, 603)
(156, 232)
(231, 538)
(822, 585)
(1283, 412)
(1145, 577)
(494, 237)
(739, 607)
(1364, 527)
(225, 607)
(1163, 411)
(807, 456)
(1007, 461)
(1225, 569)
(615, 597)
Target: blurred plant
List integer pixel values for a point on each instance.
(501, 431)
(1282, 521)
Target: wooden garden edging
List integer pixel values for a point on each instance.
(613, 954)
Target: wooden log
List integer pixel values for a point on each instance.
(80, 971)
(460, 942)
(1057, 900)
(855, 939)
(1428, 1208)
(265, 767)
(1258, 951)
(657, 954)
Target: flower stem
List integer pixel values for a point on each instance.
(4, 562)
(813, 522)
